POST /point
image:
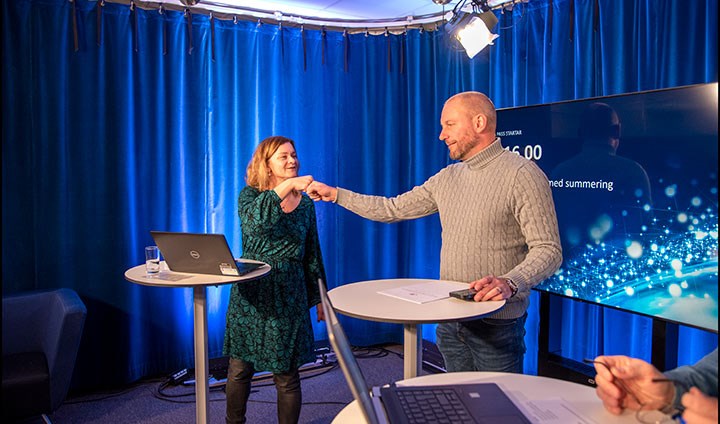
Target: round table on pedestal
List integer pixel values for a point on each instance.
(529, 392)
(198, 282)
(363, 300)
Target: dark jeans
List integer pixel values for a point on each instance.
(237, 391)
(486, 344)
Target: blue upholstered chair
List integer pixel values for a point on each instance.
(40, 339)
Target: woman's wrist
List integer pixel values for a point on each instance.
(284, 189)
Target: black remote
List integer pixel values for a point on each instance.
(465, 294)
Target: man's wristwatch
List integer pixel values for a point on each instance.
(512, 286)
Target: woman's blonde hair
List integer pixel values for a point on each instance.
(258, 173)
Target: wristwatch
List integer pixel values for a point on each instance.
(512, 285)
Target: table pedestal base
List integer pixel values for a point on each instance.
(412, 350)
(202, 389)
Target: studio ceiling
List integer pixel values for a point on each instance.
(346, 9)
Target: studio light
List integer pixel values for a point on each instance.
(476, 35)
(472, 30)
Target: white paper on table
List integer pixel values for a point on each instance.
(550, 411)
(422, 293)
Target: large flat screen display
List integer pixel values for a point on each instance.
(634, 180)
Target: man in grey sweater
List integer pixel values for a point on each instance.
(499, 231)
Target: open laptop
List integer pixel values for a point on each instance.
(200, 253)
(454, 403)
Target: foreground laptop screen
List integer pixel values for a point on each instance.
(345, 357)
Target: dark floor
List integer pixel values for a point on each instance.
(325, 393)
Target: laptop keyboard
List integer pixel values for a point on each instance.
(433, 406)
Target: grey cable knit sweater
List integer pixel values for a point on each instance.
(497, 217)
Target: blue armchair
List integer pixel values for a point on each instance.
(41, 333)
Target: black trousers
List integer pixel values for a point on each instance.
(237, 391)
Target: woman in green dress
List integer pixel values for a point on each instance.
(268, 322)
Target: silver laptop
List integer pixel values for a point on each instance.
(200, 253)
(454, 403)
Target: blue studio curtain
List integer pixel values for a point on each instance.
(120, 120)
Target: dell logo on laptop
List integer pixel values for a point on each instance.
(195, 254)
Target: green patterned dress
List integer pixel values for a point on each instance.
(268, 320)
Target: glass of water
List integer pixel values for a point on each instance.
(152, 259)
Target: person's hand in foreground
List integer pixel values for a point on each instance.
(699, 408)
(627, 383)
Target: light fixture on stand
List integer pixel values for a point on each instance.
(472, 29)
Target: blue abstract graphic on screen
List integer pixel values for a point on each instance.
(634, 179)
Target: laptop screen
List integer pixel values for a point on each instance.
(199, 253)
(345, 357)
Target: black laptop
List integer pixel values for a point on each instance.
(453, 403)
(200, 253)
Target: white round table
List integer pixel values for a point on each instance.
(363, 300)
(198, 282)
(529, 392)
